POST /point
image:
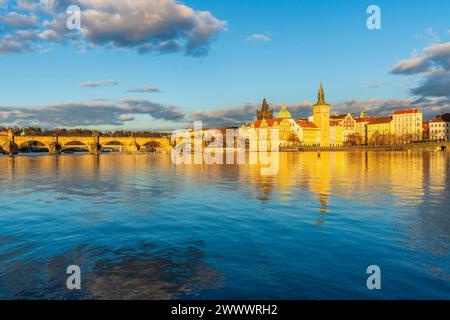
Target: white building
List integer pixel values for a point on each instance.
(439, 128)
(407, 123)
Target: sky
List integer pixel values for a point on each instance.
(161, 64)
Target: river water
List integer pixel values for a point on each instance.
(140, 227)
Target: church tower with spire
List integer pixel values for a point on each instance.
(321, 117)
(265, 113)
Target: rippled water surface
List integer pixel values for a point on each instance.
(140, 227)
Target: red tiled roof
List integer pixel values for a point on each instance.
(381, 120)
(406, 111)
(305, 123)
(3, 133)
(365, 119)
(270, 122)
(338, 117)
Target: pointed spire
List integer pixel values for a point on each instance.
(321, 95)
(266, 112)
(265, 106)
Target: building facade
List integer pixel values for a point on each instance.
(326, 130)
(407, 125)
(321, 118)
(342, 127)
(379, 131)
(361, 128)
(439, 128)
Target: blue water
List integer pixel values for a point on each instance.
(141, 227)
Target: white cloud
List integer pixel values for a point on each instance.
(259, 37)
(434, 37)
(76, 114)
(144, 89)
(19, 21)
(127, 117)
(373, 85)
(103, 112)
(101, 83)
(27, 4)
(160, 26)
(432, 66)
(432, 57)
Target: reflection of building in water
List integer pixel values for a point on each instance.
(361, 176)
(297, 171)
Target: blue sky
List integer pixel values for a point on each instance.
(300, 44)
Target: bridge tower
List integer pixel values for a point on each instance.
(95, 146)
(11, 146)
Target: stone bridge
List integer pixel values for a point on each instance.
(11, 144)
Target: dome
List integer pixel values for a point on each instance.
(284, 114)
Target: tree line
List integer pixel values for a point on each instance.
(62, 132)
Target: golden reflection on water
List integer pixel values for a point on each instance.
(349, 175)
(355, 176)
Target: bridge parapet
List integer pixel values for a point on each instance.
(55, 144)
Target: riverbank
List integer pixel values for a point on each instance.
(428, 146)
(413, 147)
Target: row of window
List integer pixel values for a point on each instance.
(399, 125)
(439, 124)
(405, 119)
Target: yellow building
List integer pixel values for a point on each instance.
(298, 132)
(341, 128)
(361, 128)
(379, 131)
(260, 133)
(295, 132)
(407, 124)
(336, 134)
(321, 118)
(309, 133)
(324, 130)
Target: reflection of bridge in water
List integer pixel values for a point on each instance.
(12, 144)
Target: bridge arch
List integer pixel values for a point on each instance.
(152, 145)
(115, 145)
(33, 145)
(159, 143)
(75, 146)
